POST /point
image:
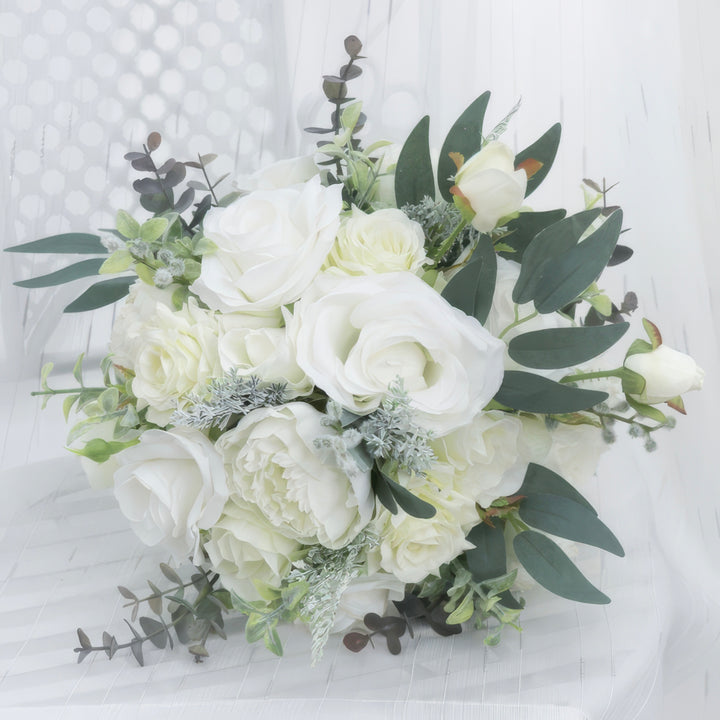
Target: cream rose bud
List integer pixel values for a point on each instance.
(178, 356)
(383, 241)
(491, 184)
(271, 462)
(243, 546)
(668, 374)
(365, 594)
(354, 336)
(270, 245)
(170, 486)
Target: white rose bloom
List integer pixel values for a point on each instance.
(355, 336)
(486, 454)
(178, 356)
(263, 351)
(281, 174)
(491, 184)
(170, 486)
(383, 241)
(365, 594)
(575, 452)
(243, 546)
(668, 374)
(272, 462)
(412, 548)
(270, 246)
(137, 312)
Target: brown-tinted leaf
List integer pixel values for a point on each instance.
(592, 184)
(334, 90)
(134, 156)
(193, 164)
(355, 641)
(353, 46)
(198, 651)
(153, 143)
(372, 621)
(196, 185)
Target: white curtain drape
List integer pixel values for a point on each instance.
(635, 85)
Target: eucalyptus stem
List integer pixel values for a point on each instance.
(518, 321)
(67, 391)
(592, 375)
(207, 180)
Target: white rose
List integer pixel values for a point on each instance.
(575, 452)
(491, 184)
(383, 241)
(668, 374)
(263, 351)
(243, 546)
(170, 486)
(355, 336)
(486, 454)
(178, 356)
(412, 548)
(137, 312)
(281, 174)
(272, 462)
(366, 594)
(270, 245)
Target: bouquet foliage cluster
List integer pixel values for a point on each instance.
(363, 389)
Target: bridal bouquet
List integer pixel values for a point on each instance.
(363, 391)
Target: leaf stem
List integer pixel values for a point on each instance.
(592, 375)
(518, 321)
(66, 391)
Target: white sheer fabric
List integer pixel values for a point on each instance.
(635, 87)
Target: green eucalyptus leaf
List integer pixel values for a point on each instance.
(487, 559)
(544, 150)
(534, 393)
(127, 226)
(100, 294)
(566, 518)
(522, 230)
(170, 574)
(155, 631)
(563, 347)
(381, 489)
(465, 138)
(548, 245)
(471, 289)
(109, 399)
(552, 568)
(540, 480)
(413, 173)
(66, 243)
(463, 612)
(573, 271)
(84, 268)
(410, 502)
(118, 262)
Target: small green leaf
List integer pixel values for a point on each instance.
(465, 137)
(128, 594)
(463, 612)
(255, 627)
(118, 262)
(68, 402)
(127, 226)
(534, 393)
(553, 569)
(471, 289)
(100, 294)
(544, 150)
(487, 559)
(109, 400)
(145, 273)
(350, 115)
(84, 268)
(540, 480)
(648, 411)
(180, 296)
(67, 243)
(639, 346)
(413, 173)
(566, 518)
(273, 643)
(153, 229)
(564, 347)
(77, 369)
(381, 489)
(131, 418)
(408, 501)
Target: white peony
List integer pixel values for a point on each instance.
(270, 246)
(383, 241)
(668, 374)
(491, 184)
(575, 452)
(355, 336)
(272, 462)
(170, 486)
(243, 546)
(365, 594)
(178, 356)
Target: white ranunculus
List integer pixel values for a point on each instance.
(281, 174)
(243, 546)
(170, 486)
(270, 245)
(272, 462)
(383, 241)
(487, 456)
(668, 374)
(178, 356)
(137, 313)
(412, 548)
(491, 184)
(355, 336)
(365, 594)
(263, 351)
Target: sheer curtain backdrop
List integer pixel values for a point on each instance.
(635, 85)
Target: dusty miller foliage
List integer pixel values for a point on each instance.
(226, 398)
(327, 574)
